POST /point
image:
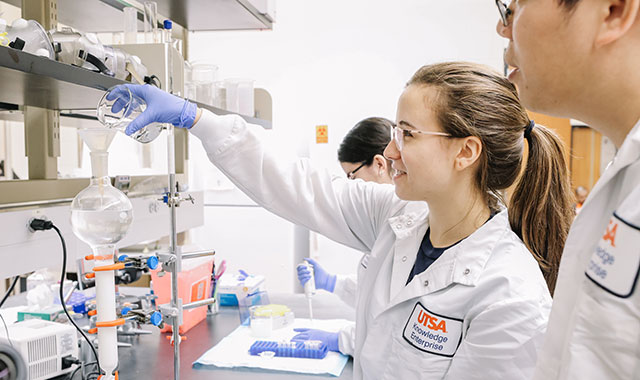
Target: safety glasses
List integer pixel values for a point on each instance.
(352, 174)
(505, 11)
(398, 135)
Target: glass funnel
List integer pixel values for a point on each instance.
(120, 108)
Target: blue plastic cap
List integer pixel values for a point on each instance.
(152, 262)
(168, 24)
(122, 257)
(156, 318)
(125, 311)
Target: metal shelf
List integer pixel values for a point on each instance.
(30, 80)
(193, 15)
(200, 15)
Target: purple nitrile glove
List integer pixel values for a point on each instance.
(324, 279)
(162, 107)
(330, 339)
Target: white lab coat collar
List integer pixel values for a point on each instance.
(462, 264)
(628, 153)
(409, 229)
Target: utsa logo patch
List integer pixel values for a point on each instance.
(432, 333)
(615, 264)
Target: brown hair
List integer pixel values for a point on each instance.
(474, 100)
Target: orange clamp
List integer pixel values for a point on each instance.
(116, 375)
(93, 312)
(98, 257)
(117, 322)
(90, 275)
(109, 267)
(170, 338)
(104, 257)
(93, 330)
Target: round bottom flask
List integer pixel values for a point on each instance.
(101, 214)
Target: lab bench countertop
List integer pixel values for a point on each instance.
(151, 356)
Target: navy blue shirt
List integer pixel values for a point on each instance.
(427, 254)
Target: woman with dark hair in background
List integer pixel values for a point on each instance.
(361, 156)
(361, 151)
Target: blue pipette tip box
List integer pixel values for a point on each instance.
(292, 349)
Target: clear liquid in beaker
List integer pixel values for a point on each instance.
(120, 111)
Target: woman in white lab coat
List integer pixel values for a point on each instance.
(361, 157)
(480, 307)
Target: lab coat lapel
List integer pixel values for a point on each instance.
(409, 230)
(438, 276)
(461, 264)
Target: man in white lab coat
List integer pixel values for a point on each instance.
(581, 59)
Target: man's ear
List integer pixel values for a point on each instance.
(616, 17)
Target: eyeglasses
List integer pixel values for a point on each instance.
(398, 135)
(351, 174)
(505, 11)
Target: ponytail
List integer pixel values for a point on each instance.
(474, 100)
(540, 211)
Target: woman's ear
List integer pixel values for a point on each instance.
(469, 152)
(381, 164)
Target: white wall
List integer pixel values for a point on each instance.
(334, 62)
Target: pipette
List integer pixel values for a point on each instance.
(310, 288)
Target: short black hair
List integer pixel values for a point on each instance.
(366, 139)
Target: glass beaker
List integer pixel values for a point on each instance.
(240, 98)
(203, 76)
(119, 112)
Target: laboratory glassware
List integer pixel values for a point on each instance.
(80, 49)
(127, 107)
(151, 31)
(203, 76)
(116, 62)
(130, 25)
(100, 217)
(240, 97)
(28, 36)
